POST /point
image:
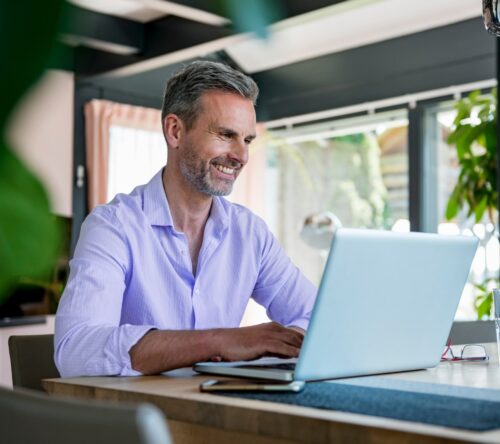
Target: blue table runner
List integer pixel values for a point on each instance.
(436, 404)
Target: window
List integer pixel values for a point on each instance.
(135, 155)
(356, 168)
(124, 148)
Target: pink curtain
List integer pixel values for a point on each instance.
(100, 115)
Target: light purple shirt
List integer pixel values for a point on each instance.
(132, 272)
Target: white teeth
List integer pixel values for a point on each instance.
(224, 169)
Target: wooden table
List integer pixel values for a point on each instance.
(196, 417)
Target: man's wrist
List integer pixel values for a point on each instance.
(214, 342)
(297, 329)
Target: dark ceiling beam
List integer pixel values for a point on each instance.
(84, 27)
(161, 37)
(409, 64)
(223, 57)
(172, 33)
(297, 7)
(155, 39)
(89, 62)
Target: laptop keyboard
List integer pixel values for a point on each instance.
(287, 366)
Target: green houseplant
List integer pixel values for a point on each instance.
(29, 237)
(476, 191)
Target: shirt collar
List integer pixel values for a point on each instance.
(157, 210)
(218, 214)
(155, 203)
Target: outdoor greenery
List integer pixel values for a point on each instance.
(476, 191)
(340, 174)
(484, 297)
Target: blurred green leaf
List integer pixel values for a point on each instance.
(251, 16)
(455, 135)
(28, 29)
(29, 236)
(484, 308)
(463, 108)
(481, 208)
(452, 207)
(473, 96)
(483, 302)
(480, 287)
(490, 136)
(485, 113)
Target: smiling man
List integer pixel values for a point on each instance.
(161, 277)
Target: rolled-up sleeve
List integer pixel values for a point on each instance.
(281, 288)
(89, 339)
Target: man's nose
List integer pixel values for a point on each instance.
(240, 152)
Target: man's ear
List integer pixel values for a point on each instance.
(173, 128)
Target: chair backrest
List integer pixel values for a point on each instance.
(473, 332)
(28, 416)
(31, 360)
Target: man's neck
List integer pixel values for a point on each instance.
(189, 208)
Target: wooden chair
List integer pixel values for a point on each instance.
(28, 416)
(31, 360)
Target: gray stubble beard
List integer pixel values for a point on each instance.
(199, 176)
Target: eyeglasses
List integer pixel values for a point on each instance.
(469, 353)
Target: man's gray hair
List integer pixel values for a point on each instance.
(185, 88)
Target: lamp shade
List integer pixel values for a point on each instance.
(318, 229)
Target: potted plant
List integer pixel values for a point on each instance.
(476, 191)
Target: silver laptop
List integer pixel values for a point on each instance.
(385, 304)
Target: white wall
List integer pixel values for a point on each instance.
(41, 132)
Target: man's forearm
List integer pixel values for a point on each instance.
(159, 351)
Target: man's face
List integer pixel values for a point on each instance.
(214, 151)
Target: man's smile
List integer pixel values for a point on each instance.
(224, 169)
(225, 172)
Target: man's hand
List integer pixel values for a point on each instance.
(270, 339)
(158, 351)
